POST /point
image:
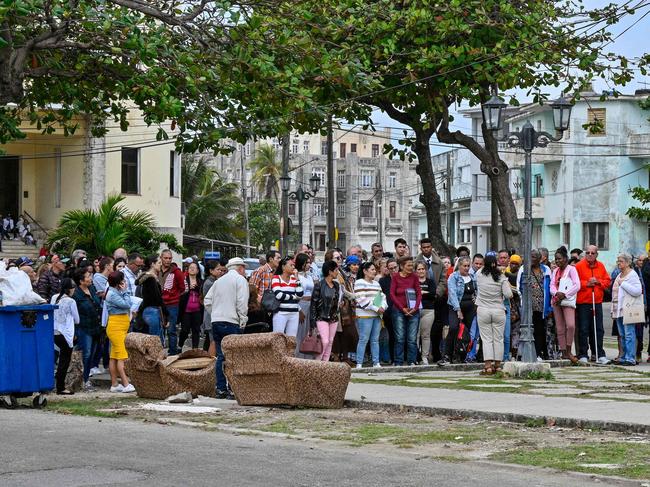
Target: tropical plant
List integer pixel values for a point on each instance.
(264, 223)
(111, 226)
(266, 172)
(211, 204)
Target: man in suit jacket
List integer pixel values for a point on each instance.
(435, 267)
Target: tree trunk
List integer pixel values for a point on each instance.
(509, 221)
(429, 197)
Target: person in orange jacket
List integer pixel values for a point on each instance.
(594, 279)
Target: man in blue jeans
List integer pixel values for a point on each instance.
(227, 303)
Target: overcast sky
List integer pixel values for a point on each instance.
(634, 31)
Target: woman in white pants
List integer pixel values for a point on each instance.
(493, 288)
(288, 290)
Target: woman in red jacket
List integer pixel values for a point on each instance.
(406, 296)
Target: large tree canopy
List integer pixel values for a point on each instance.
(418, 59)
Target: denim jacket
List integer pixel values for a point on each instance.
(118, 302)
(456, 289)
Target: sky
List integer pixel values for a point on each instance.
(634, 31)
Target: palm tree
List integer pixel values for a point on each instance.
(266, 171)
(211, 204)
(111, 226)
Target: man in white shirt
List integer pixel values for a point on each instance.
(229, 314)
(131, 271)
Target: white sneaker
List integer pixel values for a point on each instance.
(88, 387)
(539, 359)
(128, 388)
(359, 366)
(583, 360)
(117, 388)
(425, 361)
(95, 371)
(603, 360)
(376, 366)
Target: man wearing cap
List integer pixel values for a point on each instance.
(49, 283)
(229, 314)
(25, 264)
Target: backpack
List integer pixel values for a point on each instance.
(463, 340)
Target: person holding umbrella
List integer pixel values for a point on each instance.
(594, 279)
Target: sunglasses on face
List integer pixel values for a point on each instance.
(590, 253)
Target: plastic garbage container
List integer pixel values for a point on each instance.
(26, 352)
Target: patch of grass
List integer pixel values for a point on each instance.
(277, 427)
(464, 384)
(93, 407)
(537, 375)
(632, 460)
(535, 422)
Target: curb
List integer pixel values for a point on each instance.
(441, 368)
(617, 426)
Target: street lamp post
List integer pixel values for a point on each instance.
(300, 195)
(527, 139)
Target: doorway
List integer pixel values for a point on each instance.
(9, 185)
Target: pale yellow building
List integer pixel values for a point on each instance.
(43, 176)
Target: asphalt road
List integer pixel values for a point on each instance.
(46, 449)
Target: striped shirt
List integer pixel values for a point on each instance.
(366, 293)
(288, 293)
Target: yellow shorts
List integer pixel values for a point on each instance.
(116, 330)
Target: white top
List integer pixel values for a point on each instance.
(307, 282)
(227, 299)
(369, 298)
(65, 317)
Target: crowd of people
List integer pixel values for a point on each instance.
(373, 308)
(19, 229)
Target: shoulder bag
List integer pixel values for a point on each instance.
(269, 302)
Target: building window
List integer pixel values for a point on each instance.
(319, 209)
(342, 152)
(596, 234)
(340, 178)
(174, 174)
(538, 188)
(320, 173)
(597, 121)
(375, 150)
(130, 170)
(466, 174)
(365, 178)
(305, 147)
(392, 209)
(248, 149)
(567, 234)
(323, 148)
(353, 148)
(292, 209)
(366, 208)
(392, 180)
(294, 146)
(340, 210)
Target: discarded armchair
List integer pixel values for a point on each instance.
(261, 370)
(156, 376)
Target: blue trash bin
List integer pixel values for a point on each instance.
(26, 349)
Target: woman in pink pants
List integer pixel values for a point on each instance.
(324, 309)
(565, 285)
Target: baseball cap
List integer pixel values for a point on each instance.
(60, 258)
(188, 260)
(22, 261)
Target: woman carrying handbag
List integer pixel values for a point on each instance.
(324, 308)
(627, 307)
(565, 284)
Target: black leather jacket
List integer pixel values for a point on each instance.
(324, 303)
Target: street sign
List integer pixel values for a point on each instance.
(212, 255)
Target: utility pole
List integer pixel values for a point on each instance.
(300, 201)
(450, 239)
(380, 203)
(245, 198)
(331, 202)
(284, 202)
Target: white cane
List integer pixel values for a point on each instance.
(593, 314)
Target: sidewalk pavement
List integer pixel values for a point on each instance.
(625, 416)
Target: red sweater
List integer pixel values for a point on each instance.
(398, 287)
(173, 285)
(586, 272)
